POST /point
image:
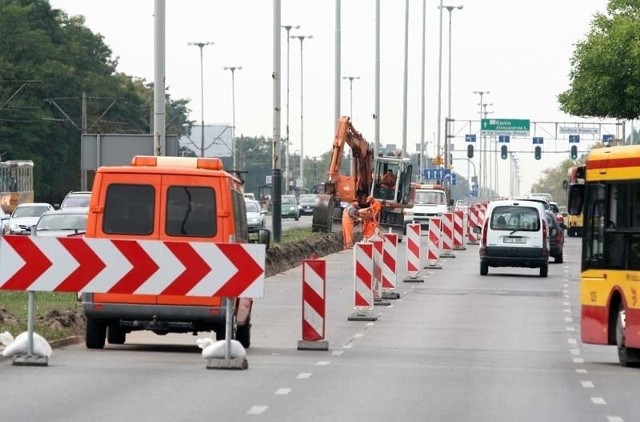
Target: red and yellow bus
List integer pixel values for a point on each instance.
(16, 184)
(610, 273)
(574, 222)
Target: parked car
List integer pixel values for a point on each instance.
(307, 203)
(556, 237)
(76, 199)
(461, 205)
(290, 207)
(558, 214)
(25, 216)
(4, 221)
(255, 215)
(61, 223)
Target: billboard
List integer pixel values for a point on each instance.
(217, 140)
(117, 149)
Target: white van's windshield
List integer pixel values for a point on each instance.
(515, 218)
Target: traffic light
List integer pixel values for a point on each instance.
(538, 152)
(503, 152)
(574, 152)
(469, 151)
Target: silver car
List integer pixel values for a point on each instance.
(61, 223)
(255, 216)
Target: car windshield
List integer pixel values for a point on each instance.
(430, 198)
(76, 201)
(30, 211)
(252, 207)
(288, 200)
(62, 222)
(307, 198)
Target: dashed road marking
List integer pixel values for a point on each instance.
(575, 352)
(304, 375)
(337, 352)
(323, 363)
(572, 341)
(568, 319)
(347, 346)
(257, 410)
(578, 360)
(566, 304)
(614, 419)
(570, 329)
(282, 391)
(586, 384)
(598, 400)
(567, 310)
(581, 371)
(358, 335)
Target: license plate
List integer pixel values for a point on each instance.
(514, 240)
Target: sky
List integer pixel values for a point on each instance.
(519, 53)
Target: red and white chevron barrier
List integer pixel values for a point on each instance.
(363, 276)
(389, 265)
(458, 230)
(413, 252)
(75, 264)
(472, 221)
(313, 305)
(447, 235)
(434, 244)
(377, 267)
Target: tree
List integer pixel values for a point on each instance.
(605, 67)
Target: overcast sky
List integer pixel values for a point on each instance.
(518, 50)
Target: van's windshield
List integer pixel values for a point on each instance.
(515, 218)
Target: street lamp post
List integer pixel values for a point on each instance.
(233, 111)
(351, 78)
(201, 45)
(302, 38)
(481, 181)
(287, 176)
(446, 143)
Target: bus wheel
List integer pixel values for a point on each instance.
(95, 334)
(627, 356)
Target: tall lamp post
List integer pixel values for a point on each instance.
(233, 111)
(446, 143)
(302, 38)
(201, 45)
(483, 157)
(350, 79)
(287, 176)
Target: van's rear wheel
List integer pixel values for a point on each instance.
(544, 270)
(116, 335)
(484, 268)
(95, 334)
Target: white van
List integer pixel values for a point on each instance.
(515, 234)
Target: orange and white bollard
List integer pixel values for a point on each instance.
(434, 244)
(313, 305)
(363, 282)
(413, 253)
(389, 261)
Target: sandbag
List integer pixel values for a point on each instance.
(19, 345)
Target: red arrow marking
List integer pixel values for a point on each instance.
(248, 270)
(143, 267)
(36, 263)
(195, 269)
(90, 265)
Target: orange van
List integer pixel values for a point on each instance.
(166, 198)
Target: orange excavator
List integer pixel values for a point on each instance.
(368, 171)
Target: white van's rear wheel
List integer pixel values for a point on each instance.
(544, 270)
(484, 268)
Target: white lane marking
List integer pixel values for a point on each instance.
(358, 335)
(257, 410)
(568, 319)
(347, 346)
(323, 363)
(578, 360)
(304, 375)
(575, 352)
(570, 329)
(572, 341)
(614, 419)
(565, 304)
(581, 371)
(337, 352)
(282, 391)
(598, 400)
(586, 384)
(567, 310)
(369, 324)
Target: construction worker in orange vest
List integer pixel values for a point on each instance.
(370, 218)
(349, 217)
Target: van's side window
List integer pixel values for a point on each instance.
(191, 211)
(129, 209)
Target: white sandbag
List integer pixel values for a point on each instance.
(19, 346)
(215, 349)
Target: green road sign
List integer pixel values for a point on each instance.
(513, 127)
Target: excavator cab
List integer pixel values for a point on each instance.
(392, 179)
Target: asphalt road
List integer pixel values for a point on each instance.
(456, 347)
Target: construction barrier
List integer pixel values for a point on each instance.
(413, 252)
(377, 272)
(472, 221)
(313, 305)
(363, 282)
(389, 261)
(447, 235)
(458, 230)
(434, 243)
